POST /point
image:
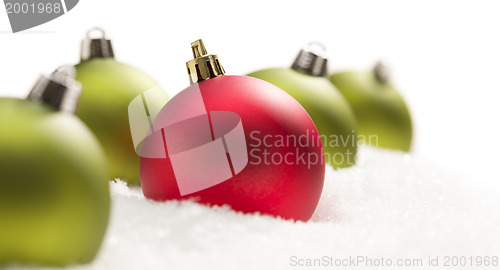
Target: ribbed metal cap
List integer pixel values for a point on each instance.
(59, 90)
(312, 60)
(98, 47)
(204, 66)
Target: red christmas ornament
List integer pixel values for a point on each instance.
(234, 140)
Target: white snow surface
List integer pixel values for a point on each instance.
(390, 205)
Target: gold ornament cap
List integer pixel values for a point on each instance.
(204, 66)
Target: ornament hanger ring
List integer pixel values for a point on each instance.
(102, 33)
(317, 48)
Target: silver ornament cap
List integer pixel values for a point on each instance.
(96, 47)
(382, 72)
(312, 60)
(59, 90)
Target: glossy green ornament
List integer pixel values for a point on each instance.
(382, 115)
(306, 82)
(108, 87)
(54, 197)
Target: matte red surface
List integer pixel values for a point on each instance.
(291, 191)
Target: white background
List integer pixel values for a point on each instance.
(444, 55)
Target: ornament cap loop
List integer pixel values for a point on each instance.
(198, 48)
(204, 66)
(96, 47)
(312, 61)
(59, 90)
(382, 72)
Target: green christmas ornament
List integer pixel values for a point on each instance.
(54, 197)
(108, 87)
(383, 118)
(329, 110)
